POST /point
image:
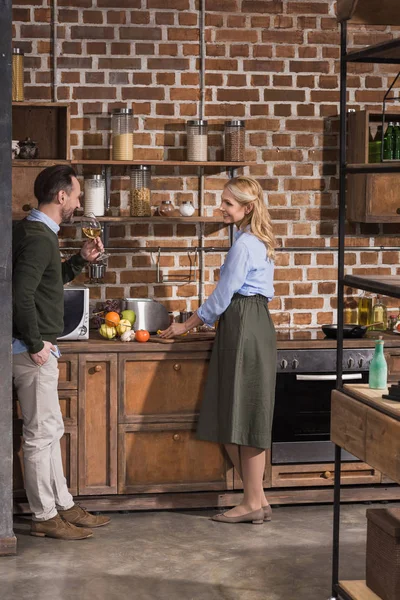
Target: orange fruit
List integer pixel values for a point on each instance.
(142, 335)
(112, 319)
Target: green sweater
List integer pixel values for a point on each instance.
(38, 278)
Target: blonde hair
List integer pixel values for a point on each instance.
(245, 190)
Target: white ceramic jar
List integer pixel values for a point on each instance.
(186, 209)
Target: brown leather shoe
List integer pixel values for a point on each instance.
(57, 528)
(82, 518)
(256, 517)
(267, 512)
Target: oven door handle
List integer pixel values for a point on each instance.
(332, 377)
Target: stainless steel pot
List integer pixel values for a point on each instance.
(150, 315)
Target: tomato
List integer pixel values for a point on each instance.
(142, 335)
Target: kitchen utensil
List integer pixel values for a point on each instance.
(184, 315)
(150, 315)
(349, 331)
(96, 271)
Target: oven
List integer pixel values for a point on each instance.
(305, 380)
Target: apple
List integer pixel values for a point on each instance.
(129, 315)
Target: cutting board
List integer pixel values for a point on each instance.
(190, 337)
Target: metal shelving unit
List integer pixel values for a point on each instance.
(386, 53)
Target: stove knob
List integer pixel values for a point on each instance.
(350, 362)
(295, 363)
(361, 363)
(284, 364)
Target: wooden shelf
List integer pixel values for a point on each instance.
(173, 219)
(389, 285)
(38, 162)
(387, 52)
(163, 163)
(382, 167)
(358, 590)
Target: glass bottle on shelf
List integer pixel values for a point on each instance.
(350, 312)
(372, 156)
(379, 315)
(396, 150)
(388, 142)
(365, 309)
(378, 144)
(378, 368)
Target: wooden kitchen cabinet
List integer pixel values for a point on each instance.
(168, 457)
(371, 197)
(316, 475)
(97, 426)
(166, 388)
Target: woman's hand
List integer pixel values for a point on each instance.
(173, 330)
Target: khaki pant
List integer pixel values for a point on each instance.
(45, 484)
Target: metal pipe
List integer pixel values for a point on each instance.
(202, 18)
(54, 17)
(226, 248)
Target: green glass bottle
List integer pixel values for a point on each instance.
(378, 144)
(396, 150)
(388, 142)
(378, 368)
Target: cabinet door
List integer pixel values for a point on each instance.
(68, 372)
(165, 458)
(167, 387)
(323, 475)
(97, 424)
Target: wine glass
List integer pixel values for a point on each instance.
(91, 228)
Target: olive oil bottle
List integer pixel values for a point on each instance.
(365, 309)
(379, 315)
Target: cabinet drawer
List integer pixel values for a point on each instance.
(167, 389)
(68, 372)
(323, 474)
(162, 458)
(68, 405)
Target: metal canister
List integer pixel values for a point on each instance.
(17, 75)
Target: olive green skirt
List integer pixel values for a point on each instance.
(238, 403)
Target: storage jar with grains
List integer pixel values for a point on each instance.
(140, 191)
(122, 134)
(234, 141)
(197, 140)
(17, 75)
(95, 193)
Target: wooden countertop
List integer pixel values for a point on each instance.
(361, 391)
(286, 340)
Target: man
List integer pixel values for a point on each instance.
(38, 305)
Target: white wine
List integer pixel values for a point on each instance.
(91, 232)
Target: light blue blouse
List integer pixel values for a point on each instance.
(247, 270)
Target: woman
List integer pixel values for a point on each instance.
(238, 404)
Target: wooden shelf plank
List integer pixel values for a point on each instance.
(358, 590)
(382, 167)
(41, 104)
(173, 219)
(386, 52)
(389, 285)
(163, 163)
(40, 162)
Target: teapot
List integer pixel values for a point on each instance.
(28, 149)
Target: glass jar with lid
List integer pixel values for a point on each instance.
(234, 141)
(122, 134)
(95, 195)
(17, 75)
(140, 191)
(197, 141)
(166, 208)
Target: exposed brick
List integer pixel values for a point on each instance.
(262, 6)
(119, 63)
(168, 64)
(140, 33)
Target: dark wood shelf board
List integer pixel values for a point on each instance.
(382, 167)
(389, 285)
(42, 104)
(40, 162)
(386, 52)
(163, 163)
(176, 219)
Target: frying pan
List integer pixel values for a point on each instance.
(349, 331)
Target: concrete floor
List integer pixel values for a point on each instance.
(186, 556)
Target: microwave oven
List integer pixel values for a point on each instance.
(76, 313)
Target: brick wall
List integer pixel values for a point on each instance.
(274, 64)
